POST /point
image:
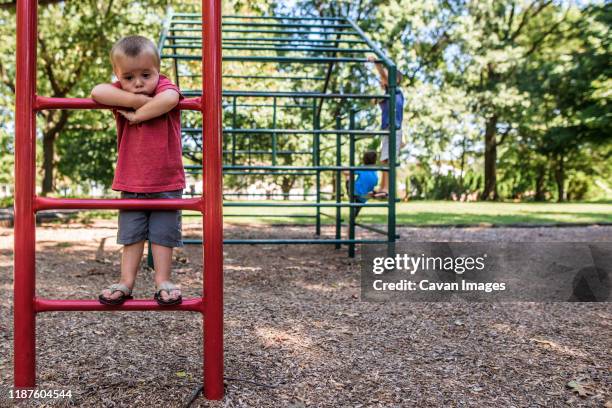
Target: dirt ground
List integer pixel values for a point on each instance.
(297, 333)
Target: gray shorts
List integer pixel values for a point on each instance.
(160, 227)
(384, 151)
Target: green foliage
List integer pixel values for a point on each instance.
(73, 44)
(87, 148)
(7, 158)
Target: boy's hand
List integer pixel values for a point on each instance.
(131, 117)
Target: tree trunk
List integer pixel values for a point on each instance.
(48, 153)
(560, 179)
(540, 178)
(490, 181)
(286, 186)
(49, 136)
(462, 166)
(287, 182)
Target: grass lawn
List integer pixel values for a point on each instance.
(418, 213)
(423, 213)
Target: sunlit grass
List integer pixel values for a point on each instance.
(418, 213)
(422, 213)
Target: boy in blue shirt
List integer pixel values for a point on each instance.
(365, 182)
(383, 192)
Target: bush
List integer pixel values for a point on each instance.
(6, 202)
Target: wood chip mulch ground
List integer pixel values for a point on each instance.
(298, 335)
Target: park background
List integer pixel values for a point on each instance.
(506, 101)
(531, 77)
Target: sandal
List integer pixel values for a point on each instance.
(117, 287)
(381, 195)
(167, 287)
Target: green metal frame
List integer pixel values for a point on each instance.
(323, 42)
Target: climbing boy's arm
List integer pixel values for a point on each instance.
(384, 79)
(107, 94)
(382, 72)
(161, 103)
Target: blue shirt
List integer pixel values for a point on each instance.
(399, 110)
(366, 181)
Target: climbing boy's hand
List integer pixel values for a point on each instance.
(371, 58)
(130, 116)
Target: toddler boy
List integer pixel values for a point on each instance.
(149, 163)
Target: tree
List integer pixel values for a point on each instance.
(494, 40)
(73, 42)
(568, 83)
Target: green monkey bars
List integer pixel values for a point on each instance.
(280, 69)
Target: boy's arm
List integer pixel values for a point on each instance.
(161, 103)
(382, 72)
(107, 94)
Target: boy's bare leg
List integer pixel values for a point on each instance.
(384, 180)
(130, 262)
(162, 258)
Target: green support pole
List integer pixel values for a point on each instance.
(301, 205)
(249, 136)
(279, 47)
(351, 192)
(330, 69)
(175, 62)
(274, 134)
(280, 60)
(298, 168)
(289, 18)
(268, 131)
(338, 181)
(280, 32)
(287, 241)
(291, 95)
(282, 25)
(391, 69)
(304, 168)
(164, 34)
(234, 119)
(316, 152)
(247, 40)
(283, 77)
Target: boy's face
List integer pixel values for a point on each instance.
(138, 74)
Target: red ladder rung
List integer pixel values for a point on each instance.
(45, 203)
(78, 305)
(44, 102)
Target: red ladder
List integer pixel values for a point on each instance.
(27, 305)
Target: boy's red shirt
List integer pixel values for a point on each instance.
(149, 154)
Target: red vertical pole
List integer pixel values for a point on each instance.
(213, 210)
(25, 224)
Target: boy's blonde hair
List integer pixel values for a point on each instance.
(133, 46)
